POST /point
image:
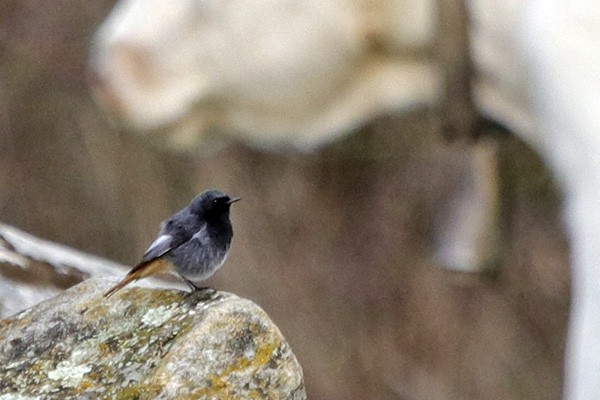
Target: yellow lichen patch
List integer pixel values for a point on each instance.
(255, 394)
(263, 355)
(85, 384)
(217, 389)
(145, 392)
(103, 350)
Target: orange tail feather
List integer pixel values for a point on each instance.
(141, 271)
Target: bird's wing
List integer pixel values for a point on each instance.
(173, 233)
(161, 245)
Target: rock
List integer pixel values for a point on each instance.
(145, 344)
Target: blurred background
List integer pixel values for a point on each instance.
(336, 244)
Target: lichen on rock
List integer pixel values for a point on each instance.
(145, 344)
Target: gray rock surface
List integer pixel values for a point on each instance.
(145, 344)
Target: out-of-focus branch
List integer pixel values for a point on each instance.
(33, 270)
(21, 249)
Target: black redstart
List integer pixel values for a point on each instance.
(193, 243)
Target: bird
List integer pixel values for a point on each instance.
(193, 243)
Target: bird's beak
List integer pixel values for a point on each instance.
(234, 200)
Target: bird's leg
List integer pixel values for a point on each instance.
(199, 293)
(194, 287)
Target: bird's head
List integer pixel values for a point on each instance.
(212, 203)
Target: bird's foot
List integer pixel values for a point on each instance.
(195, 289)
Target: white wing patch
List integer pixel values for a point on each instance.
(161, 242)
